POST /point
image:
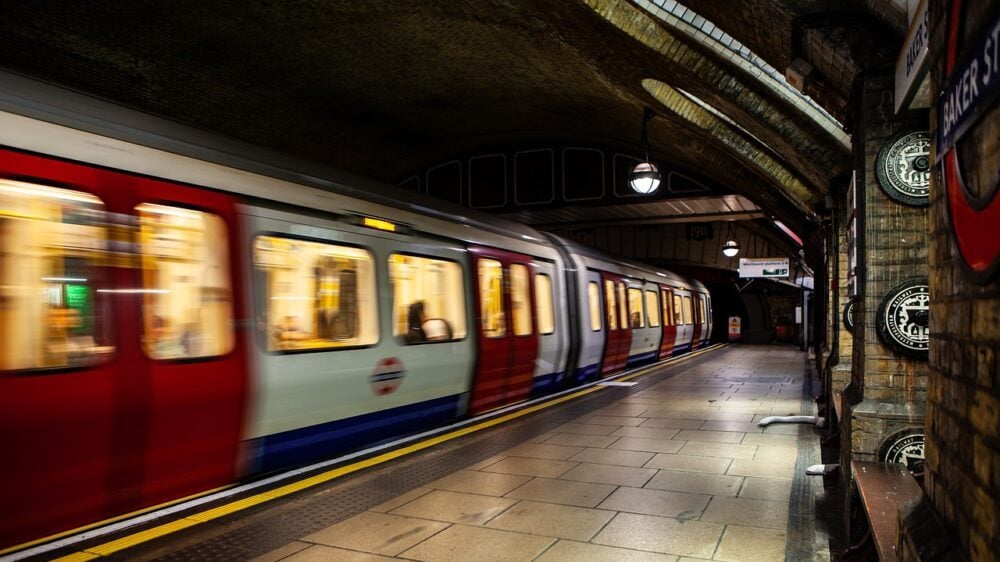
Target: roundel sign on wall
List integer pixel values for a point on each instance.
(903, 318)
(903, 168)
(904, 447)
(849, 314)
(971, 185)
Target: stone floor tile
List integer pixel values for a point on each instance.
(531, 467)
(378, 533)
(541, 438)
(612, 456)
(716, 465)
(552, 520)
(454, 507)
(770, 489)
(461, 543)
(770, 439)
(543, 451)
(787, 429)
(741, 427)
(566, 492)
(731, 416)
(747, 512)
(696, 483)
(579, 440)
(478, 482)
(661, 534)
(709, 436)
(673, 423)
(646, 432)
(320, 553)
(623, 410)
(284, 552)
(762, 468)
(586, 429)
(651, 445)
(612, 420)
(776, 453)
(745, 544)
(400, 500)
(570, 551)
(610, 474)
(656, 502)
(483, 464)
(728, 450)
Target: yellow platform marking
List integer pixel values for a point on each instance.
(135, 539)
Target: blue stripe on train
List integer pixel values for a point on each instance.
(544, 384)
(310, 444)
(584, 374)
(641, 358)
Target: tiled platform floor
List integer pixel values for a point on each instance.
(679, 471)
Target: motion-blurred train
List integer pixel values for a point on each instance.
(169, 324)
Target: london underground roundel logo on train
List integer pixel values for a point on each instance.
(387, 376)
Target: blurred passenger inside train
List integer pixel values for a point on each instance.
(416, 318)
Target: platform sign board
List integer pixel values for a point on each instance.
(911, 66)
(763, 267)
(734, 328)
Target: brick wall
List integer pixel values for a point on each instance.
(888, 390)
(963, 406)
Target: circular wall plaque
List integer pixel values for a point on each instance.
(904, 447)
(903, 168)
(903, 318)
(849, 314)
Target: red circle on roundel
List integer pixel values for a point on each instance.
(387, 376)
(974, 226)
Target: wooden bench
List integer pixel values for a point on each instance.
(884, 488)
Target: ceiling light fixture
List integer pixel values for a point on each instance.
(645, 176)
(731, 247)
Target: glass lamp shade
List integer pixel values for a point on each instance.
(731, 248)
(644, 178)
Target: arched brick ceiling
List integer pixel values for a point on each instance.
(382, 87)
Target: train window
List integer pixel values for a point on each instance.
(622, 307)
(428, 299)
(543, 304)
(319, 295)
(678, 315)
(491, 298)
(687, 309)
(187, 300)
(520, 299)
(653, 309)
(668, 309)
(594, 297)
(612, 302)
(699, 311)
(55, 312)
(635, 315)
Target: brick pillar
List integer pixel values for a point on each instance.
(963, 408)
(887, 391)
(840, 371)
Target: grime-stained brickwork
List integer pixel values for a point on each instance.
(963, 406)
(887, 390)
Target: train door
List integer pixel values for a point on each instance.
(193, 366)
(507, 337)
(593, 327)
(551, 355)
(619, 337)
(669, 328)
(683, 318)
(699, 318)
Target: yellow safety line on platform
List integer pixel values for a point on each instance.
(135, 539)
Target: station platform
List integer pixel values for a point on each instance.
(665, 463)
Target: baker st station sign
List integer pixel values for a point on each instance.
(973, 71)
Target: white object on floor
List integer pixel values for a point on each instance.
(815, 420)
(822, 469)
